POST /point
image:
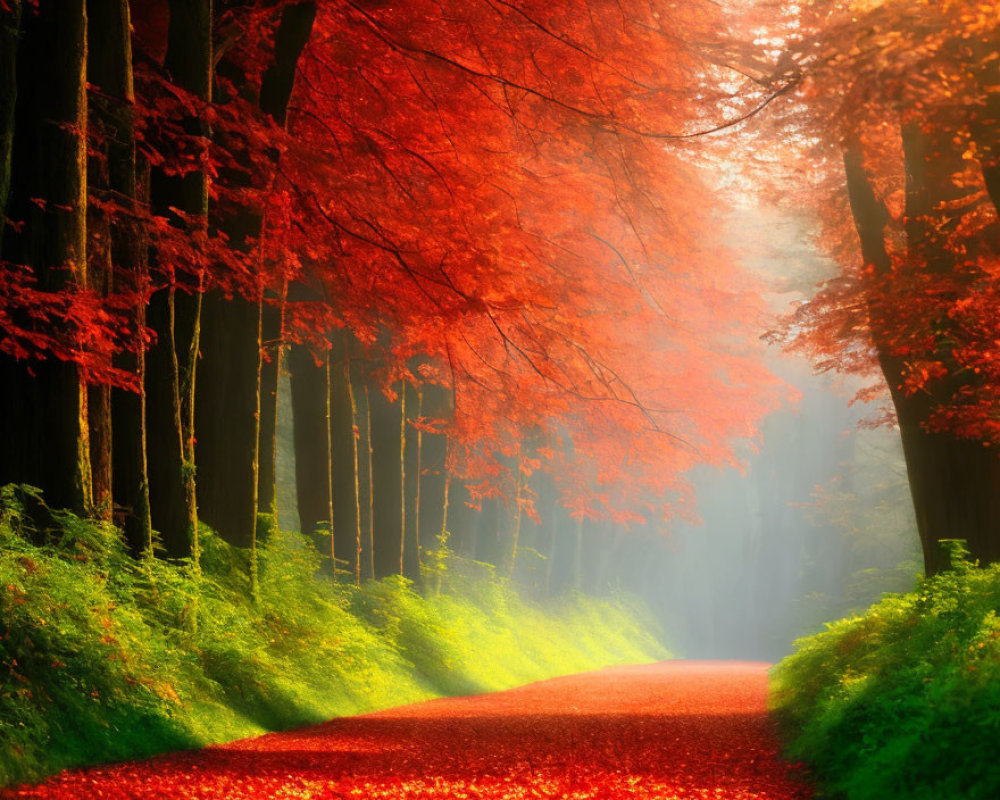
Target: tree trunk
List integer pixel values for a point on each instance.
(112, 176)
(44, 427)
(310, 395)
(10, 26)
(232, 439)
(550, 558)
(226, 419)
(369, 449)
(175, 316)
(273, 335)
(345, 506)
(355, 469)
(419, 473)
(385, 420)
(402, 477)
(255, 466)
(954, 484)
(515, 534)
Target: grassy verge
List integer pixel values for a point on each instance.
(103, 658)
(902, 702)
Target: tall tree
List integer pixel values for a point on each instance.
(118, 187)
(175, 311)
(44, 418)
(235, 435)
(880, 86)
(310, 390)
(10, 25)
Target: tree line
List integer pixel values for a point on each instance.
(453, 226)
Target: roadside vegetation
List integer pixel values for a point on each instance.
(105, 657)
(902, 701)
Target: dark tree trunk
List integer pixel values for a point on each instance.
(175, 316)
(355, 470)
(272, 333)
(369, 475)
(345, 511)
(385, 419)
(226, 414)
(433, 456)
(10, 25)
(111, 177)
(954, 484)
(235, 432)
(44, 426)
(278, 80)
(310, 395)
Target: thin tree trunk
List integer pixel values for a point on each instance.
(188, 402)
(255, 461)
(328, 430)
(554, 537)
(354, 469)
(420, 473)
(578, 555)
(189, 62)
(274, 335)
(310, 395)
(516, 532)
(443, 537)
(371, 485)
(402, 475)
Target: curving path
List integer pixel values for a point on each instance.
(677, 729)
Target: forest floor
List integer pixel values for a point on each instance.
(676, 729)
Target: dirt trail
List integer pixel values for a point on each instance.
(678, 729)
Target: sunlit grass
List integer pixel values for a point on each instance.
(103, 658)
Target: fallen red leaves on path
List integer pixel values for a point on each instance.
(678, 729)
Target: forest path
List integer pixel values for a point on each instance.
(677, 729)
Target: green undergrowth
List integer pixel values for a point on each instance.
(902, 702)
(104, 658)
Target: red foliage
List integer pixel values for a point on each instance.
(503, 204)
(676, 729)
(487, 188)
(910, 89)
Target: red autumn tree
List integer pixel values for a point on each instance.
(506, 205)
(486, 199)
(898, 101)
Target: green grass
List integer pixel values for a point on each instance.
(902, 702)
(103, 658)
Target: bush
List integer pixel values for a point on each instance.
(104, 658)
(904, 701)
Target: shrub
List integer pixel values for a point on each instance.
(902, 701)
